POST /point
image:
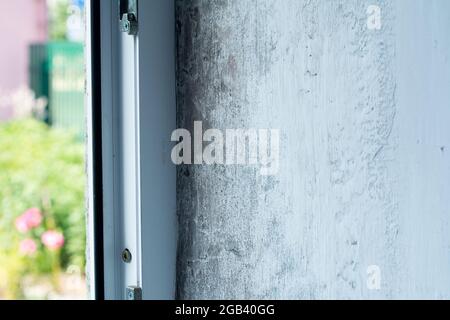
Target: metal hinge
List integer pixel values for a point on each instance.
(128, 16)
(134, 293)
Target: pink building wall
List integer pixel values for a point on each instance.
(23, 22)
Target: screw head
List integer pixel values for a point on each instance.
(126, 256)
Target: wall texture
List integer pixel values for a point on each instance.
(365, 149)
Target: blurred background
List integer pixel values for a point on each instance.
(42, 130)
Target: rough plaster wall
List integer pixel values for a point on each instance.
(364, 173)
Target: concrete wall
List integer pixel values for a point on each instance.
(365, 150)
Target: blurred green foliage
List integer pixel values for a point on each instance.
(59, 13)
(43, 168)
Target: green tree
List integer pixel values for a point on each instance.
(59, 13)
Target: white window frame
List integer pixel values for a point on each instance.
(134, 204)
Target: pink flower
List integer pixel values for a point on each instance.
(32, 218)
(28, 247)
(21, 225)
(53, 240)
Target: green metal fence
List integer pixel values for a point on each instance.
(57, 73)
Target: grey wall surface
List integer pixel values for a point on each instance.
(365, 150)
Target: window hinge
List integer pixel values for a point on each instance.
(134, 293)
(128, 16)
